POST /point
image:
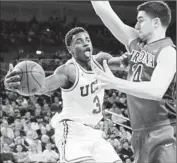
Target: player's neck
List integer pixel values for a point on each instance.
(157, 35)
(85, 65)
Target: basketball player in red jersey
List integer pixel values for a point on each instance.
(150, 85)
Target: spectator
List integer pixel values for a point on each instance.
(14, 105)
(27, 116)
(49, 130)
(5, 148)
(17, 113)
(116, 144)
(114, 131)
(122, 101)
(38, 110)
(34, 154)
(45, 140)
(7, 158)
(43, 130)
(125, 134)
(56, 100)
(46, 108)
(7, 130)
(20, 141)
(18, 125)
(4, 137)
(7, 108)
(22, 102)
(16, 133)
(126, 153)
(49, 154)
(31, 104)
(107, 103)
(29, 140)
(114, 98)
(119, 118)
(20, 155)
(38, 144)
(34, 126)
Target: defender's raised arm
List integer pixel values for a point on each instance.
(124, 33)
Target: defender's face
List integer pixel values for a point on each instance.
(144, 25)
(81, 46)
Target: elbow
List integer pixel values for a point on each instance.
(157, 95)
(154, 91)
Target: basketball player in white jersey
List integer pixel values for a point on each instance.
(76, 140)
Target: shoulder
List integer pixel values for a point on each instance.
(167, 54)
(64, 69)
(69, 70)
(169, 49)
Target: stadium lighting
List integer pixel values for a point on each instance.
(38, 52)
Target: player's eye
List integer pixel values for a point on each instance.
(78, 41)
(141, 20)
(87, 39)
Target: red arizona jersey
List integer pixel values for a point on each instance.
(147, 113)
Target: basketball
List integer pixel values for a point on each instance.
(32, 77)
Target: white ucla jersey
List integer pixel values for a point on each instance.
(83, 101)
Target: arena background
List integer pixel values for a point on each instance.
(35, 31)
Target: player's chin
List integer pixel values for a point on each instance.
(87, 58)
(142, 36)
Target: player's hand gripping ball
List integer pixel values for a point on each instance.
(27, 78)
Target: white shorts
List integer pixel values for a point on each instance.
(77, 142)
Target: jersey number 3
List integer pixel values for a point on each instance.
(96, 101)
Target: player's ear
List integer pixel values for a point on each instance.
(70, 50)
(156, 22)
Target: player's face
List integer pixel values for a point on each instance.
(81, 47)
(48, 146)
(144, 25)
(19, 148)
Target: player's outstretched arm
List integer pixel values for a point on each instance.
(124, 33)
(60, 78)
(153, 89)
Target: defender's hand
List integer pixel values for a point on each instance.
(106, 76)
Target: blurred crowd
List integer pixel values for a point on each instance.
(32, 35)
(24, 38)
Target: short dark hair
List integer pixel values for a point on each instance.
(158, 9)
(71, 33)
